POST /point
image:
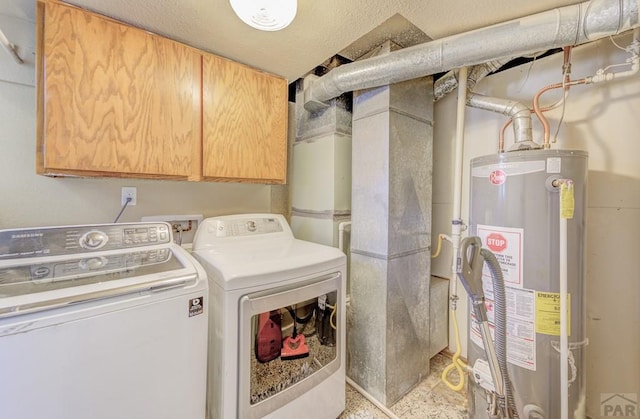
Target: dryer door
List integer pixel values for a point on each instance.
(289, 342)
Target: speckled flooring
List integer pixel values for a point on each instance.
(430, 399)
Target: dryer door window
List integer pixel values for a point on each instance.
(289, 342)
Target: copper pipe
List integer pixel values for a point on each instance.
(509, 121)
(566, 66)
(538, 111)
(566, 82)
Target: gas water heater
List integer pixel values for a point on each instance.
(515, 210)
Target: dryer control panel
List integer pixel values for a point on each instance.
(242, 230)
(246, 226)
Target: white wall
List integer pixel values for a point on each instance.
(604, 120)
(27, 199)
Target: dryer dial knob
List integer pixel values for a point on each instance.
(93, 240)
(251, 226)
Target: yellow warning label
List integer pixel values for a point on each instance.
(567, 203)
(548, 313)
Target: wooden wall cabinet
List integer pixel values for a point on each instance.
(117, 101)
(244, 123)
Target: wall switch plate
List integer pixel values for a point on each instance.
(129, 192)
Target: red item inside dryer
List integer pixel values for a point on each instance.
(269, 336)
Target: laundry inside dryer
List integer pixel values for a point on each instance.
(291, 343)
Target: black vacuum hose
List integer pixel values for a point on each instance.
(500, 321)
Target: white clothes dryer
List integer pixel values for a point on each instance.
(277, 320)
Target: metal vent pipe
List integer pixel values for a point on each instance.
(519, 113)
(556, 28)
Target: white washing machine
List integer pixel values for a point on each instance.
(102, 322)
(277, 320)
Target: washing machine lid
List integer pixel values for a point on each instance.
(249, 263)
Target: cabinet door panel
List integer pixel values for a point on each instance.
(117, 99)
(244, 123)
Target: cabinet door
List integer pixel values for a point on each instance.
(115, 100)
(244, 123)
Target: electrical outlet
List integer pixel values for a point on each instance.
(129, 192)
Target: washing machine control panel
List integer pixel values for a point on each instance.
(93, 240)
(69, 240)
(246, 227)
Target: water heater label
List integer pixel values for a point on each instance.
(506, 244)
(496, 242)
(548, 313)
(521, 333)
(521, 336)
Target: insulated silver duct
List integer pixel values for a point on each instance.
(556, 28)
(449, 82)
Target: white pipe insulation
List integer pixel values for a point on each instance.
(564, 332)
(566, 202)
(556, 28)
(456, 219)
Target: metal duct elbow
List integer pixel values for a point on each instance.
(519, 113)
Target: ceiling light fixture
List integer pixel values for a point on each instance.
(266, 15)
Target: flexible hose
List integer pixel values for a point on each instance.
(456, 362)
(306, 318)
(438, 247)
(500, 321)
(332, 317)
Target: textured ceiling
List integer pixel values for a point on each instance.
(321, 28)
